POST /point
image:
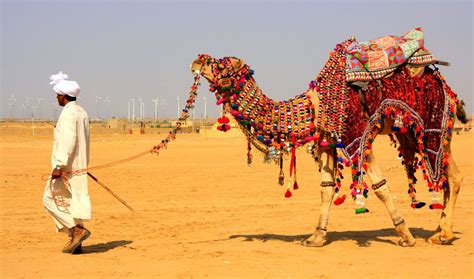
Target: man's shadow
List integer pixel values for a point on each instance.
(363, 238)
(104, 247)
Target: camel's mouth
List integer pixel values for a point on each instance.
(196, 67)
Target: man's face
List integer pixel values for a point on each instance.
(61, 99)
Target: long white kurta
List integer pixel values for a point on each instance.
(71, 152)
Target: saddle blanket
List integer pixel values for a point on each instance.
(378, 58)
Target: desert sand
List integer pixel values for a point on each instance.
(202, 212)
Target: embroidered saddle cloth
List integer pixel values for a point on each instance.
(376, 59)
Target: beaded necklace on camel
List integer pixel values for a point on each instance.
(274, 128)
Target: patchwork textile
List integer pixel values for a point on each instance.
(377, 58)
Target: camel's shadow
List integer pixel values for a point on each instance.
(104, 247)
(363, 238)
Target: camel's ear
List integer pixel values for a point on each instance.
(237, 64)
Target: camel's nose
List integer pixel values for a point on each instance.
(195, 71)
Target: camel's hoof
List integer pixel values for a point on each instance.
(314, 242)
(404, 243)
(439, 240)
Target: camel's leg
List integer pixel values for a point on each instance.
(379, 185)
(327, 167)
(444, 233)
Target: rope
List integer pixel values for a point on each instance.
(155, 150)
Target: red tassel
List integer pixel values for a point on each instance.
(340, 200)
(288, 193)
(295, 186)
(436, 206)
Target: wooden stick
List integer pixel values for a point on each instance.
(443, 63)
(110, 191)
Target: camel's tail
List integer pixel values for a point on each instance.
(460, 112)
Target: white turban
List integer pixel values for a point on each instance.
(62, 86)
(67, 87)
(57, 78)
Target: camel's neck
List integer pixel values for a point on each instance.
(272, 122)
(252, 103)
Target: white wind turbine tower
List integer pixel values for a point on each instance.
(140, 102)
(159, 102)
(97, 99)
(177, 98)
(27, 105)
(39, 107)
(205, 107)
(155, 101)
(133, 109)
(11, 105)
(33, 110)
(24, 114)
(55, 110)
(107, 106)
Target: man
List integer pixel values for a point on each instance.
(66, 196)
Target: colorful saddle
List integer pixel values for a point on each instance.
(376, 59)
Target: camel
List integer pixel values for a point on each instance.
(409, 101)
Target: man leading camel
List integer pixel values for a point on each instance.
(66, 195)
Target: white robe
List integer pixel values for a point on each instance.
(71, 152)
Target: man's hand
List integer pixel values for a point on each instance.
(57, 172)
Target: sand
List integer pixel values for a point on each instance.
(202, 212)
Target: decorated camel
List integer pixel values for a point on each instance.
(388, 86)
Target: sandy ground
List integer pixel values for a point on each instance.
(202, 212)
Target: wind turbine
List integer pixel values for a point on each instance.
(11, 104)
(133, 110)
(39, 107)
(33, 110)
(55, 110)
(107, 104)
(27, 105)
(97, 99)
(23, 108)
(141, 107)
(177, 98)
(156, 107)
(205, 107)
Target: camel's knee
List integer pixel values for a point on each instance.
(381, 191)
(457, 181)
(379, 184)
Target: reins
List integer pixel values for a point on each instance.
(154, 150)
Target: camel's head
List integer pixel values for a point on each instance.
(225, 75)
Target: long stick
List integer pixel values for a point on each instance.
(110, 191)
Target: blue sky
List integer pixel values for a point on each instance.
(132, 49)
